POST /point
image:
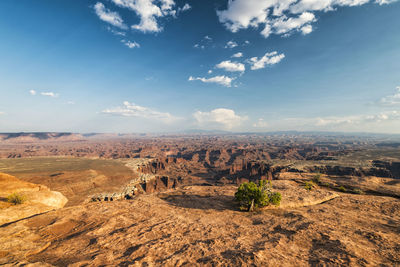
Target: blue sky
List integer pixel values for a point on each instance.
(168, 66)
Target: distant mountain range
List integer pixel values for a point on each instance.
(66, 136)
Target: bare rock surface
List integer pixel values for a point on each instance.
(38, 199)
(201, 226)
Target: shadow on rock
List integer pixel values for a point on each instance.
(221, 202)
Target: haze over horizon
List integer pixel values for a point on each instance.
(169, 66)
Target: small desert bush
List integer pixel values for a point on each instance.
(275, 198)
(309, 185)
(358, 191)
(342, 188)
(317, 178)
(251, 196)
(16, 199)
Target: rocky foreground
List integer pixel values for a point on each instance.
(200, 225)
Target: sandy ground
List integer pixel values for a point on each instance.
(201, 226)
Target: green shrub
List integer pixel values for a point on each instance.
(16, 199)
(358, 191)
(275, 198)
(251, 196)
(341, 188)
(309, 185)
(317, 178)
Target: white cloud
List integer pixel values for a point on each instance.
(261, 123)
(108, 16)
(186, 7)
(238, 55)
(50, 94)
(280, 16)
(384, 2)
(271, 58)
(346, 123)
(132, 110)
(231, 66)
(149, 11)
(306, 29)
(32, 92)
(204, 42)
(285, 25)
(392, 99)
(199, 46)
(231, 44)
(210, 71)
(118, 33)
(221, 80)
(219, 118)
(130, 44)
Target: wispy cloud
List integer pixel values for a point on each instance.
(271, 58)
(231, 44)
(109, 16)
(133, 110)
(206, 41)
(185, 7)
(260, 123)
(130, 44)
(221, 80)
(219, 118)
(50, 94)
(391, 100)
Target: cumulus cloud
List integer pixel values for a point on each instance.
(221, 80)
(219, 118)
(285, 25)
(149, 11)
(132, 110)
(231, 66)
(32, 92)
(281, 17)
(231, 44)
(391, 100)
(130, 44)
(238, 55)
(271, 58)
(50, 94)
(306, 29)
(108, 16)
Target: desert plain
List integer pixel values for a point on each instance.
(168, 200)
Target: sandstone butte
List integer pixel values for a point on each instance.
(38, 199)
